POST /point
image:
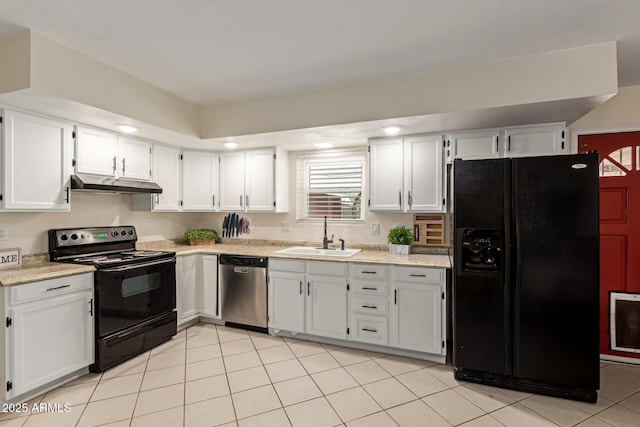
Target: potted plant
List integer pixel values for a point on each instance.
(400, 238)
(201, 236)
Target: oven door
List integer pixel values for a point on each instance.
(132, 294)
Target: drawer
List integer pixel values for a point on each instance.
(368, 270)
(369, 287)
(50, 288)
(327, 268)
(417, 274)
(376, 306)
(369, 329)
(293, 265)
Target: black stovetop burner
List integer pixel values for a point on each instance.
(100, 246)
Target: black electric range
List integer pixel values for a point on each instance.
(134, 290)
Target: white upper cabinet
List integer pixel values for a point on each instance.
(135, 159)
(199, 181)
(37, 154)
(232, 172)
(166, 173)
(483, 144)
(259, 180)
(406, 174)
(518, 141)
(424, 174)
(254, 180)
(536, 140)
(96, 152)
(99, 152)
(386, 174)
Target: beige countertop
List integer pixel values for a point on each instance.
(365, 256)
(42, 271)
(36, 267)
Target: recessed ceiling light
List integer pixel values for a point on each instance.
(323, 144)
(230, 144)
(392, 130)
(127, 128)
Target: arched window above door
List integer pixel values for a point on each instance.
(620, 162)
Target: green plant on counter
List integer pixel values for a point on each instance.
(201, 234)
(400, 235)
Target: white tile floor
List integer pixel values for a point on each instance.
(215, 376)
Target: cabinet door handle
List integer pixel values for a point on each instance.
(509, 144)
(497, 144)
(68, 195)
(368, 272)
(241, 200)
(409, 199)
(57, 287)
(91, 307)
(369, 306)
(395, 297)
(157, 199)
(213, 200)
(308, 288)
(369, 288)
(246, 201)
(370, 330)
(114, 165)
(400, 198)
(417, 275)
(300, 287)
(123, 166)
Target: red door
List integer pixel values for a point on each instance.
(619, 219)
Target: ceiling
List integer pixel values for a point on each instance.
(211, 52)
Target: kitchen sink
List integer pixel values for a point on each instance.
(306, 250)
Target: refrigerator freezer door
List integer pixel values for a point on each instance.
(481, 314)
(555, 209)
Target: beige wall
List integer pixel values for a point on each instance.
(29, 230)
(621, 111)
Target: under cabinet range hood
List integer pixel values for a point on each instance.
(95, 183)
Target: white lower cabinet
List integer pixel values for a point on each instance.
(286, 300)
(196, 286)
(392, 306)
(314, 303)
(186, 286)
(49, 333)
(418, 309)
(208, 286)
(369, 303)
(326, 307)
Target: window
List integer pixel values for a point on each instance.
(330, 184)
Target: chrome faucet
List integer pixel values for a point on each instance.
(325, 241)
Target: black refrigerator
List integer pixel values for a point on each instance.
(526, 271)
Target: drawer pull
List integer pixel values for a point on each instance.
(57, 287)
(368, 272)
(369, 288)
(369, 306)
(417, 275)
(370, 330)
(300, 287)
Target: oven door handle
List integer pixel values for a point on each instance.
(134, 266)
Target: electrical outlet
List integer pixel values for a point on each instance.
(375, 228)
(285, 226)
(4, 233)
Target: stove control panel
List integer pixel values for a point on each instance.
(89, 236)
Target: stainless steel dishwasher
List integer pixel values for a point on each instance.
(243, 291)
